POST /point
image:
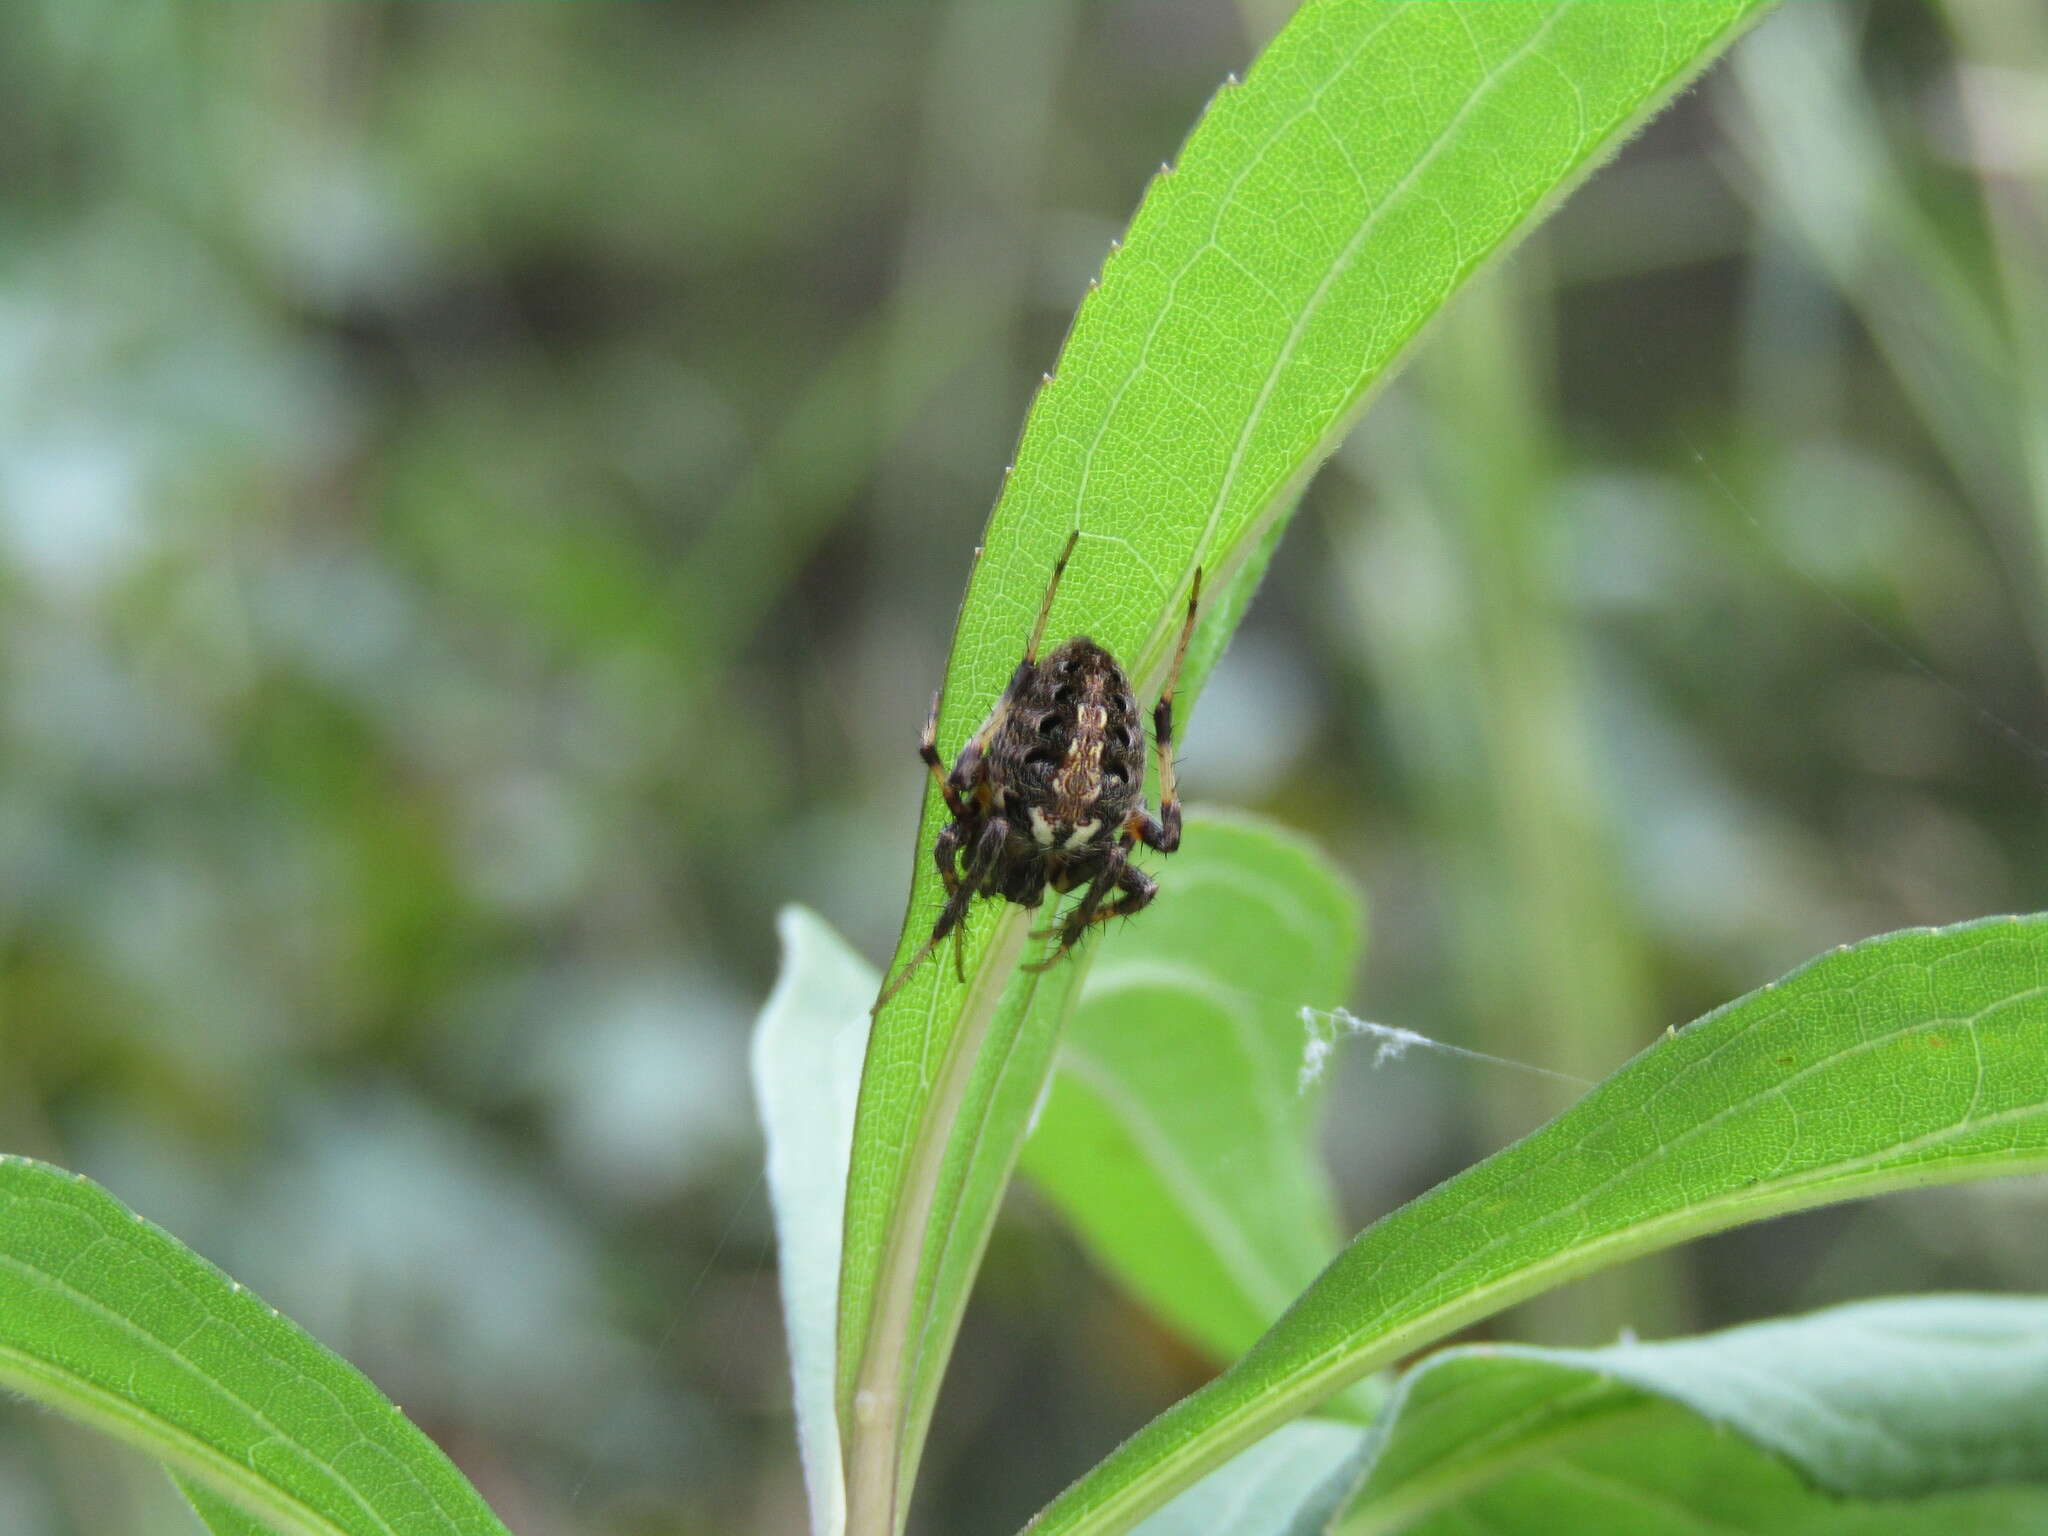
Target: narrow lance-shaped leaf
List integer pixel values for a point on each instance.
(1320, 214)
(1908, 1060)
(108, 1319)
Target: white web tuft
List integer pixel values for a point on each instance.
(1390, 1043)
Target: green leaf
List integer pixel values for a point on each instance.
(1178, 1137)
(1293, 1480)
(1908, 1060)
(110, 1320)
(1318, 216)
(807, 1051)
(1893, 1405)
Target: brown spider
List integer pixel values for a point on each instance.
(1050, 790)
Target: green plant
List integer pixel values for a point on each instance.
(1320, 215)
(1323, 212)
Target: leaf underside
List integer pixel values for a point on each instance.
(1916, 1415)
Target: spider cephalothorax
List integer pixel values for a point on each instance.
(1049, 792)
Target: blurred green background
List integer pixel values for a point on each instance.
(484, 491)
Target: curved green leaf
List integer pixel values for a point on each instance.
(1178, 1137)
(1908, 1060)
(112, 1321)
(1319, 215)
(1887, 1405)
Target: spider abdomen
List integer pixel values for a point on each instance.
(1071, 752)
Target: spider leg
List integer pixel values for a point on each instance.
(1066, 880)
(1133, 888)
(949, 922)
(946, 854)
(909, 970)
(960, 893)
(928, 749)
(1134, 892)
(988, 848)
(928, 740)
(1164, 834)
(1059, 568)
(981, 864)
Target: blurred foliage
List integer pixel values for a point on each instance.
(483, 493)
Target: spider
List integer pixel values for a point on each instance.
(1049, 791)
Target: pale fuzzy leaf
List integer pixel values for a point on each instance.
(1900, 1416)
(807, 1054)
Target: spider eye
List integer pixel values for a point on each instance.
(1113, 777)
(1048, 726)
(1063, 695)
(1041, 760)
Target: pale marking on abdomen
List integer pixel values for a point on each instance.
(1080, 776)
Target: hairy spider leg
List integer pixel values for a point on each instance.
(946, 854)
(928, 738)
(909, 970)
(1059, 569)
(1074, 878)
(960, 891)
(928, 749)
(980, 867)
(1134, 890)
(1103, 879)
(981, 864)
(1164, 834)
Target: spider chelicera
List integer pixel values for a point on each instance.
(1049, 792)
